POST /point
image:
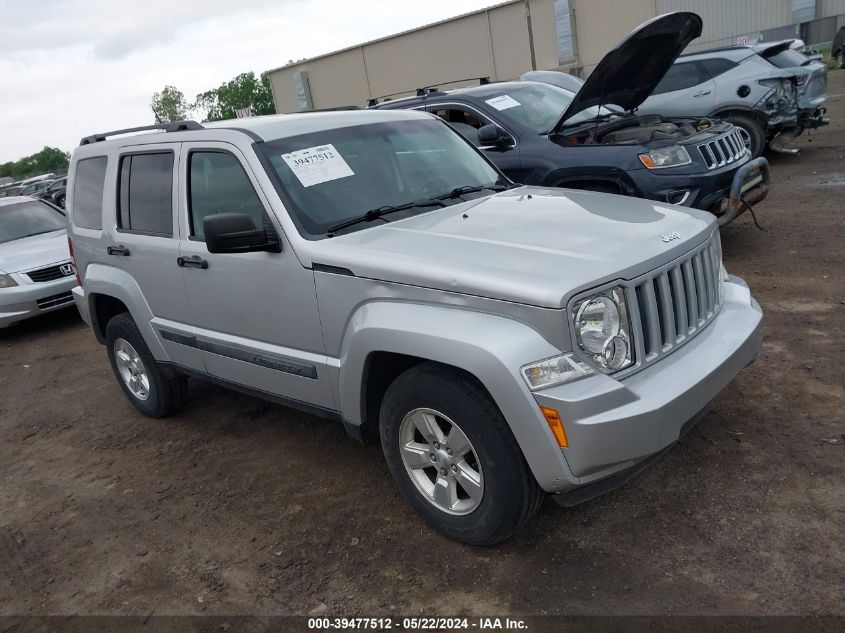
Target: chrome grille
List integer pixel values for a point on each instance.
(722, 151)
(677, 301)
(51, 273)
(55, 300)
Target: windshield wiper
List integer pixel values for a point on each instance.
(379, 212)
(457, 192)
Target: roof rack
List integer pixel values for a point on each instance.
(175, 126)
(428, 90)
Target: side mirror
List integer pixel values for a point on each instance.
(492, 134)
(235, 233)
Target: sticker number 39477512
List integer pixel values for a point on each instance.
(314, 165)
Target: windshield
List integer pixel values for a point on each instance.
(332, 176)
(537, 106)
(26, 219)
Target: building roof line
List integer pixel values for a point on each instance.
(395, 35)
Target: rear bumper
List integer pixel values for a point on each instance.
(613, 425)
(27, 300)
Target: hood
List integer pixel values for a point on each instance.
(628, 74)
(530, 245)
(37, 251)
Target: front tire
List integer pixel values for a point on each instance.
(840, 59)
(753, 134)
(153, 391)
(453, 456)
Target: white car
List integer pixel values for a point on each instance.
(36, 274)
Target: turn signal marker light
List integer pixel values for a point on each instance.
(556, 425)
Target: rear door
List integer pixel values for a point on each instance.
(687, 89)
(144, 242)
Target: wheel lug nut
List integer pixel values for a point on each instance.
(437, 445)
(443, 471)
(454, 468)
(449, 451)
(432, 457)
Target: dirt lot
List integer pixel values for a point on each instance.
(236, 506)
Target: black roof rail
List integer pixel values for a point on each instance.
(427, 90)
(175, 126)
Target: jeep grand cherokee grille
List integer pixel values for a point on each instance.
(723, 150)
(676, 301)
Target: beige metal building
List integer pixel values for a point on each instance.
(507, 39)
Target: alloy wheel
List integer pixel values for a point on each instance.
(441, 461)
(131, 369)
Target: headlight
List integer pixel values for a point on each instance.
(672, 156)
(554, 371)
(602, 329)
(6, 281)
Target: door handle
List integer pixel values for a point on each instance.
(192, 262)
(702, 93)
(119, 250)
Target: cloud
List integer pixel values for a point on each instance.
(74, 67)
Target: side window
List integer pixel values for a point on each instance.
(681, 76)
(218, 184)
(87, 204)
(716, 66)
(145, 203)
(463, 120)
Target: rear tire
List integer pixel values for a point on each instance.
(840, 59)
(152, 390)
(492, 492)
(751, 131)
(60, 201)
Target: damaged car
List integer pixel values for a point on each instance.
(542, 134)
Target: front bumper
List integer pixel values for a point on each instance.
(717, 191)
(750, 185)
(28, 299)
(612, 425)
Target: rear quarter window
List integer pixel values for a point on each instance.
(86, 210)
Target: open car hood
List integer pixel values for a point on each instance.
(628, 74)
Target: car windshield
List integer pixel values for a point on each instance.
(26, 219)
(537, 106)
(332, 176)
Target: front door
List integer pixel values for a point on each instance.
(255, 313)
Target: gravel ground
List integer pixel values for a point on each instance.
(236, 506)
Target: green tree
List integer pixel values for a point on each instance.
(169, 105)
(47, 160)
(245, 90)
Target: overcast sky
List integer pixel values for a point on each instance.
(73, 67)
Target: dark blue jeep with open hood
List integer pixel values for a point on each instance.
(540, 134)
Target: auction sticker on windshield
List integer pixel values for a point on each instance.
(314, 165)
(503, 102)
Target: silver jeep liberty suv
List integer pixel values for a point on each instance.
(499, 342)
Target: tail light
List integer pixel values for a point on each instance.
(73, 261)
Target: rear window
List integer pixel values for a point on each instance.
(145, 204)
(87, 204)
(787, 58)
